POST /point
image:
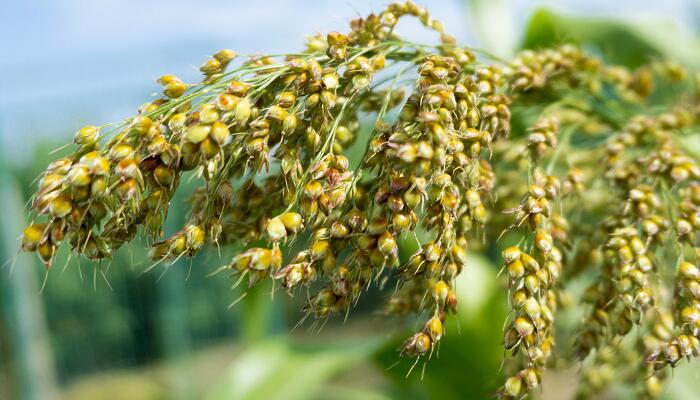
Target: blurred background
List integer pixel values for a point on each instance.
(130, 335)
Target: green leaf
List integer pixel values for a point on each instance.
(691, 144)
(626, 43)
(276, 369)
(467, 363)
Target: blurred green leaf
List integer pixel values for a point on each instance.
(351, 393)
(276, 369)
(626, 43)
(467, 362)
(691, 144)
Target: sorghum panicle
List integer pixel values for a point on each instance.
(441, 175)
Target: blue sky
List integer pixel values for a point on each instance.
(69, 63)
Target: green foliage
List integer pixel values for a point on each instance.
(632, 44)
(276, 369)
(469, 360)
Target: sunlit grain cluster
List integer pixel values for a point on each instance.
(384, 163)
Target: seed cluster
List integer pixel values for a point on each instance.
(656, 182)
(534, 273)
(273, 143)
